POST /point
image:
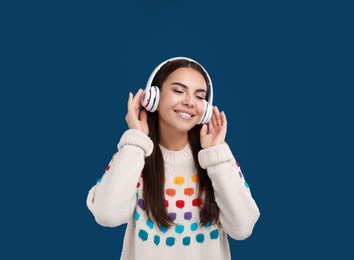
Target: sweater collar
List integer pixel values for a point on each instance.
(177, 157)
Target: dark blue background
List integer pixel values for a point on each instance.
(282, 71)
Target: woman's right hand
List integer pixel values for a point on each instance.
(132, 117)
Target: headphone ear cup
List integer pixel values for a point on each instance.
(156, 99)
(208, 111)
(151, 98)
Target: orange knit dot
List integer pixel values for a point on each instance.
(188, 191)
(171, 192)
(195, 178)
(179, 180)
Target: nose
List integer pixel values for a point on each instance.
(189, 101)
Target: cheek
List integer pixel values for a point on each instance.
(200, 107)
(167, 100)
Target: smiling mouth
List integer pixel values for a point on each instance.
(184, 115)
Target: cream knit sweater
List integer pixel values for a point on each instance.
(116, 199)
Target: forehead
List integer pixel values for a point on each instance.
(188, 76)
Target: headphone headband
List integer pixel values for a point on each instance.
(152, 76)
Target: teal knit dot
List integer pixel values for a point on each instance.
(194, 226)
(214, 234)
(208, 224)
(179, 229)
(136, 215)
(163, 229)
(186, 241)
(246, 184)
(143, 235)
(156, 240)
(170, 241)
(150, 224)
(200, 238)
(99, 180)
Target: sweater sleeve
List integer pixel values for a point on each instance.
(238, 210)
(113, 199)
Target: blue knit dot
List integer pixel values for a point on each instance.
(186, 241)
(99, 180)
(150, 224)
(143, 235)
(200, 238)
(170, 241)
(208, 224)
(214, 234)
(179, 229)
(163, 229)
(194, 226)
(246, 184)
(136, 215)
(156, 240)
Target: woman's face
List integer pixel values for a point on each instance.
(181, 100)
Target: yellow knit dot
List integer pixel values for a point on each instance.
(179, 180)
(195, 178)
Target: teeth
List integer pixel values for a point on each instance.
(184, 114)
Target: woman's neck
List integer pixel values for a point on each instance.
(173, 141)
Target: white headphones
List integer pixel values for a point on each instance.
(151, 95)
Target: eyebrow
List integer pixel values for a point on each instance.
(185, 86)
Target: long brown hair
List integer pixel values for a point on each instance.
(154, 171)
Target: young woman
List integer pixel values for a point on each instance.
(174, 180)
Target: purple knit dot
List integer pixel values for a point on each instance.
(173, 216)
(240, 174)
(188, 215)
(141, 204)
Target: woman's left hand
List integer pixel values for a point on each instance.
(217, 130)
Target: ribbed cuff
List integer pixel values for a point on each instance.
(137, 138)
(214, 155)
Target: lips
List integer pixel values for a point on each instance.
(185, 114)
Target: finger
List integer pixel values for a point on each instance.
(204, 130)
(218, 118)
(143, 115)
(130, 98)
(210, 126)
(216, 115)
(223, 118)
(138, 95)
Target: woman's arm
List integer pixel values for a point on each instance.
(113, 199)
(238, 210)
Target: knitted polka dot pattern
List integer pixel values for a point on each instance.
(182, 202)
